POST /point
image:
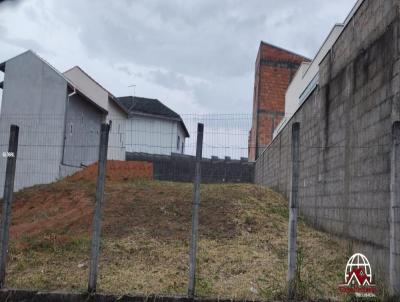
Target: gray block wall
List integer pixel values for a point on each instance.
(179, 167)
(345, 141)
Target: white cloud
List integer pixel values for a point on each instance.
(195, 56)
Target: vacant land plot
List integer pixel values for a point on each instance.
(146, 229)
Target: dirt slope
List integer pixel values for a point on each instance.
(146, 227)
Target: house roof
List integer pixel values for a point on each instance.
(29, 51)
(150, 107)
(70, 84)
(110, 95)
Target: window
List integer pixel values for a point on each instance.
(178, 143)
(183, 147)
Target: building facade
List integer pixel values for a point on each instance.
(306, 79)
(60, 116)
(59, 124)
(152, 127)
(116, 114)
(274, 69)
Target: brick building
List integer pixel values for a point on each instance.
(275, 68)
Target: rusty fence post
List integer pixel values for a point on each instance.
(7, 199)
(101, 171)
(195, 212)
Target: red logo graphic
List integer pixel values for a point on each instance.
(358, 277)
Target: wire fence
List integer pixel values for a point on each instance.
(224, 134)
(54, 146)
(242, 228)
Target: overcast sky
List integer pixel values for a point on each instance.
(197, 56)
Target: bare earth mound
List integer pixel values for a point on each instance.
(118, 170)
(146, 228)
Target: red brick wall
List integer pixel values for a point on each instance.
(275, 68)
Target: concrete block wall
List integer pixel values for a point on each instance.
(345, 140)
(179, 167)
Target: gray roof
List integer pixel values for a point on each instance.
(152, 107)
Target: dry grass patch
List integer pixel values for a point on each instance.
(146, 229)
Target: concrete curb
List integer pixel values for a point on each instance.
(19, 295)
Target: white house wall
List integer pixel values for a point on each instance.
(100, 96)
(151, 135)
(295, 88)
(117, 136)
(34, 99)
(181, 135)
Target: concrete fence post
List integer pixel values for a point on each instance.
(394, 259)
(293, 205)
(7, 199)
(195, 212)
(101, 171)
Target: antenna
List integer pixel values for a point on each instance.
(134, 89)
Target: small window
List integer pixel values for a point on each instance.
(183, 147)
(178, 143)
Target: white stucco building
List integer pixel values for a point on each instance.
(306, 79)
(152, 127)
